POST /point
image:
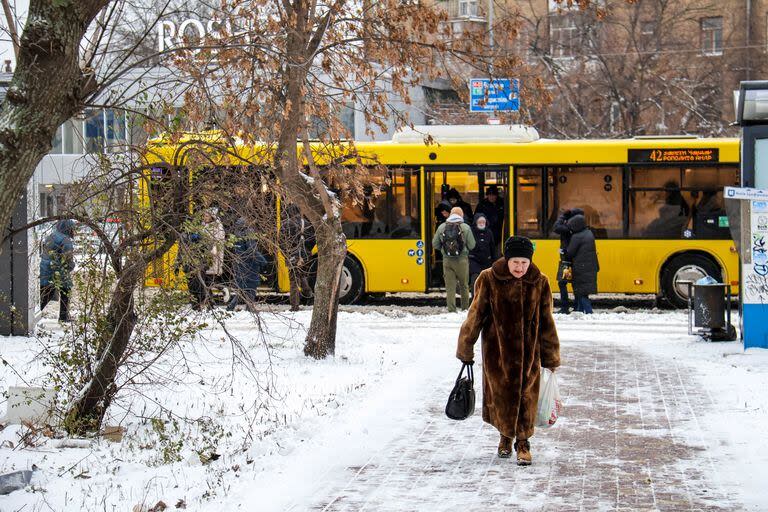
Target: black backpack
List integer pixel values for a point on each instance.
(452, 240)
(461, 402)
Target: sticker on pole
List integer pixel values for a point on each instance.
(745, 193)
(494, 95)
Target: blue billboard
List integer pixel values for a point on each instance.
(494, 95)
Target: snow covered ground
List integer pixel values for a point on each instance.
(365, 430)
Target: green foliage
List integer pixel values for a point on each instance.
(211, 434)
(161, 323)
(169, 440)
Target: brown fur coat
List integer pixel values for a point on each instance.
(519, 338)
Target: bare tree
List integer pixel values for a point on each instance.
(70, 53)
(121, 329)
(618, 69)
(295, 65)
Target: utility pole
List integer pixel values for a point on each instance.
(490, 24)
(748, 33)
(491, 117)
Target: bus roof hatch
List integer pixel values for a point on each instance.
(515, 133)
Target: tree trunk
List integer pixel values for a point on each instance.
(47, 89)
(86, 412)
(331, 250)
(310, 195)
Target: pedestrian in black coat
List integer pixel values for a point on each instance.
(583, 255)
(485, 251)
(492, 206)
(562, 229)
(454, 198)
(56, 265)
(297, 239)
(247, 266)
(442, 212)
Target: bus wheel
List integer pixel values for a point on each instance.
(682, 268)
(352, 283)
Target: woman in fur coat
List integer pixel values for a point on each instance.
(513, 309)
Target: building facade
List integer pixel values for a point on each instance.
(622, 68)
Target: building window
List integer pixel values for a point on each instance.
(467, 7)
(73, 137)
(115, 130)
(94, 131)
(712, 36)
(346, 116)
(563, 35)
(521, 45)
(57, 142)
(648, 38)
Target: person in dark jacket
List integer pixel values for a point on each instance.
(56, 265)
(454, 198)
(492, 206)
(442, 212)
(583, 253)
(562, 229)
(297, 238)
(247, 266)
(485, 251)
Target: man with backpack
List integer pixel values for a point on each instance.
(454, 240)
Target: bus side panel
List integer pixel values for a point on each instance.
(547, 258)
(634, 266)
(161, 272)
(283, 281)
(395, 270)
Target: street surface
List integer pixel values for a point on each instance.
(629, 440)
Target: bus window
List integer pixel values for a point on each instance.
(703, 189)
(529, 214)
(670, 202)
(657, 208)
(389, 208)
(596, 190)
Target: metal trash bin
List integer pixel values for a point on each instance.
(709, 310)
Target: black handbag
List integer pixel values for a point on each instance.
(461, 402)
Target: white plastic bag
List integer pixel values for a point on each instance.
(550, 404)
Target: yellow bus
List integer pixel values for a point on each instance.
(655, 205)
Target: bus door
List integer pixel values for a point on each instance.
(470, 184)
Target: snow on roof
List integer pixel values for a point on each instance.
(515, 133)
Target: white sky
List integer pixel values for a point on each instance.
(6, 49)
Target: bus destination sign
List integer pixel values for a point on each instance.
(674, 155)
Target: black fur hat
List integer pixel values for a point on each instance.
(518, 247)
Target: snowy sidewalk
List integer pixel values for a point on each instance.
(619, 446)
(654, 419)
